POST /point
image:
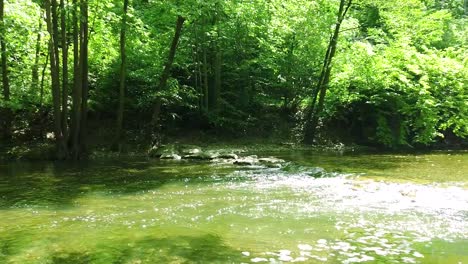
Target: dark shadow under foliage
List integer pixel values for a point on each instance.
(57, 185)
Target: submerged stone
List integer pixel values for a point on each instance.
(246, 161)
(228, 156)
(254, 160)
(170, 156)
(159, 151)
(270, 160)
(201, 156)
(190, 150)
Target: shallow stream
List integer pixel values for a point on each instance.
(373, 208)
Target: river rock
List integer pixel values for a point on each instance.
(201, 156)
(190, 150)
(172, 156)
(249, 160)
(270, 160)
(164, 152)
(228, 156)
(154, 152)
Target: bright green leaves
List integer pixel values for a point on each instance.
(399, 76)
(405, 71)
(21, 29)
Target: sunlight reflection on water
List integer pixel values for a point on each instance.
(379, 219)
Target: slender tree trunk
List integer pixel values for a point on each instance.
(314, 110)
(56, 38)
(204, 67)
(84, 78)
(217, 72)
(195, 75)
(35, 68)
(41, 95)
(206, 87)
(199, 52)
(54, 69)
(200, 83)
(196, 70)
(123, 67)
(76, 96)
(63, 27)
(41, 99)
(166, 73)
(7, 114)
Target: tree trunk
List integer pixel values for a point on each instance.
(84, 78)
(41, 95)
(123, 66)
(217, 73)
(54, 69)
(201, 100)
(55, 38)
(41, 99)
(314, 110)
(7, 114)
(204, 67)
(196, 70)
(35, 68)
(166, 73)
(76, 96)
(206, 88)
(64, 71)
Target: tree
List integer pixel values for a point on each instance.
(314, 110)
(84, 71)
(5, 80)
(35, 68)
(63, 28)
(123, 76)
(166, 74)
(52, 28)
(77, 89)
(392, 73)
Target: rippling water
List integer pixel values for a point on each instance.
(361, 208)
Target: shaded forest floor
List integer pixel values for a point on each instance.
(137, 146)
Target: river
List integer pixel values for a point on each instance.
(318, 207)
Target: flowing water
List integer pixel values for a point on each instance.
(372, 208)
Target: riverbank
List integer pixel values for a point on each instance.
(43, 151)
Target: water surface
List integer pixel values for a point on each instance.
(374, 208)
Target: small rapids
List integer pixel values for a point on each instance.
(375, 219)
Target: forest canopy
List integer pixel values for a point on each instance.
(386, 73)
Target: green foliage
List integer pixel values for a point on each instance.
(416, 90)
(399, 77)
(21, 29)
